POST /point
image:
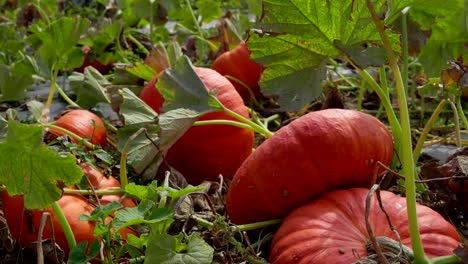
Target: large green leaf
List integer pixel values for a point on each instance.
(298, 36)
(162, 131)
(166, 249)
(447, 42)
(14, 81)
(182, 88)
(89, 87)
(32, 169)
(58, 41)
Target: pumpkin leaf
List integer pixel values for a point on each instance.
(58, 41)
(165, 249)
(82, 254)
(30, 168)
(141, 215)
(89, 87)
(182, 88)
(447, 42)
(161, 132)
(298, 36)
(14, 81)
(143, 70)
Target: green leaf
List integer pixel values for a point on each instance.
(165, 249)
(447, 42)
(298, 36)
(142, 70)
(36, 108)
(209, 9)
(32, 169)
(141, 214)
(182, 88)
(59, 41)
(89, 87)
(161, 131)
(13, 83)
(428, 13)
(81, 254)
(134, 110)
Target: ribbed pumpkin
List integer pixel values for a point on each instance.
(85, 124)
(318, 152)
(205, 152)
(238, 64)
(332, 229)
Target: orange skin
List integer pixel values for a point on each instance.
(80, 122)
(205, 152)
(237, 63)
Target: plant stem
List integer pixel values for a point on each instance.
(456, 122)
(70, 134)
(238, 228)
(116, 191)
(393, 120)
(406, 150)
(64, 224)
(427, 128)
(446, 260)
(223, 122)
(257, 128)
(461, 113)
(65, 96)
(53, 81)
(249, 90)
(123, 158)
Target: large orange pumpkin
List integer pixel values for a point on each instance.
(205, 152)
(332, 229)
(238, 64)
(318, 152)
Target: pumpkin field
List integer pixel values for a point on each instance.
(234, 131)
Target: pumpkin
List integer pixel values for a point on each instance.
(238, 64)
(102, 67)
(85, 124)
(24, 224)
(205, 152)
(332, 229)
(318, 152)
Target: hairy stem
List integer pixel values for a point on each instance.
(406, 146)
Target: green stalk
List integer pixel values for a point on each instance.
(115, 191)
(70, 134)
(223, 122)
(260, 129)
(53, 81)
(457, 123)
(238, 228)
(461, 113)
(427, 128)
(251, 94)
(362, 88)
(446, 260)
(393, 120)
(123, 158)
(64, 224)
(408, 165)
(65, 96)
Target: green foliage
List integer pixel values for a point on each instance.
(41, 170)
(89, 87)
(298, 36)
(167, 249)
(58, 42)
(182, 88)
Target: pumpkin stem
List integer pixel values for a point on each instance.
(406, 145)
